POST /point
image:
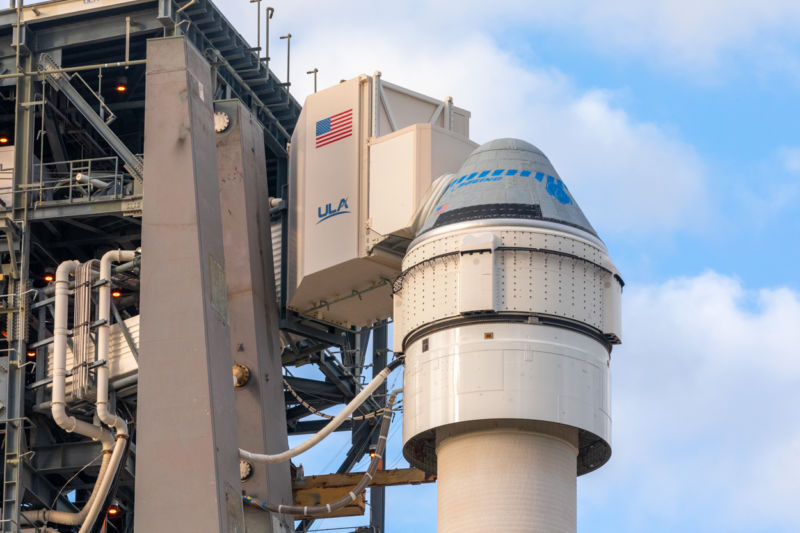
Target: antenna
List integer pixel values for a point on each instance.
(270, 12)
(314, 72)
(288, 38)
(258, 27)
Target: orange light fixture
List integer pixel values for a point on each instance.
(116, 294)
(121, 85)
(31, 353)
(3, 140)
(113, 511)
(49, 278)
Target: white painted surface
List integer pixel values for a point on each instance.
(354, 198)
(506, 480)
(523, 372)
(524, 281)
(476, 273)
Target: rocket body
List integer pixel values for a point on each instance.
(507, 309)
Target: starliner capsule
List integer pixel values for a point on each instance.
(506, 309)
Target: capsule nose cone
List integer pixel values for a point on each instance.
(507, 179)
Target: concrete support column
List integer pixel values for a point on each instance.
(253, 310)
(187, 464)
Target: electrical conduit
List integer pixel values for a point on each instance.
(337, 421)
(366, 479)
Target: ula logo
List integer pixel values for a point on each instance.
(326, 212)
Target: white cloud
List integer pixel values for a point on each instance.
(690, 36)
(686, 34)
(628, 175)
(705, 395)
(791, 158)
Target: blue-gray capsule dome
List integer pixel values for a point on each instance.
(507, 179)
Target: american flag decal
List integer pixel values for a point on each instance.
(335, 128)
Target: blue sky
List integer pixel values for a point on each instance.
(675, 125)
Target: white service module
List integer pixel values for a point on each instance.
(363, 155)
(506, 310)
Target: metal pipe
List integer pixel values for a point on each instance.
(67, 518)
(80, 68)
(94, 182)
(112, 420)
(186, 6)
(363, 483)
(288, 38)
(314, 72)
(127, 39)
(270, 12)
(258, 26)
(58, 405)
(104, 315)
(376, 95)
(50, 290)
(105, 485)
(354, 404)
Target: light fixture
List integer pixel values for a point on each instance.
(122, 84)
(113, 509)
(31, 353)
(116, 293)
(49, 278)
(3, 140)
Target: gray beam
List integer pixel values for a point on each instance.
(314, 426)
(99, 207)
(67, 457)
(377, 495)
(309, 389)
(98, 30)
(252, 308)
(187, 467)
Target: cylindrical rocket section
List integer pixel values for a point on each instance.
(506, 310)
(539, 489)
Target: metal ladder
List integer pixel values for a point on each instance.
(15, 310)
(15, 428)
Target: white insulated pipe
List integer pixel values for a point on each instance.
(331, 426)
(104, 316)
(506, 479)
(67, 518)
(105, 485)
(112, 420)
(58, 405)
